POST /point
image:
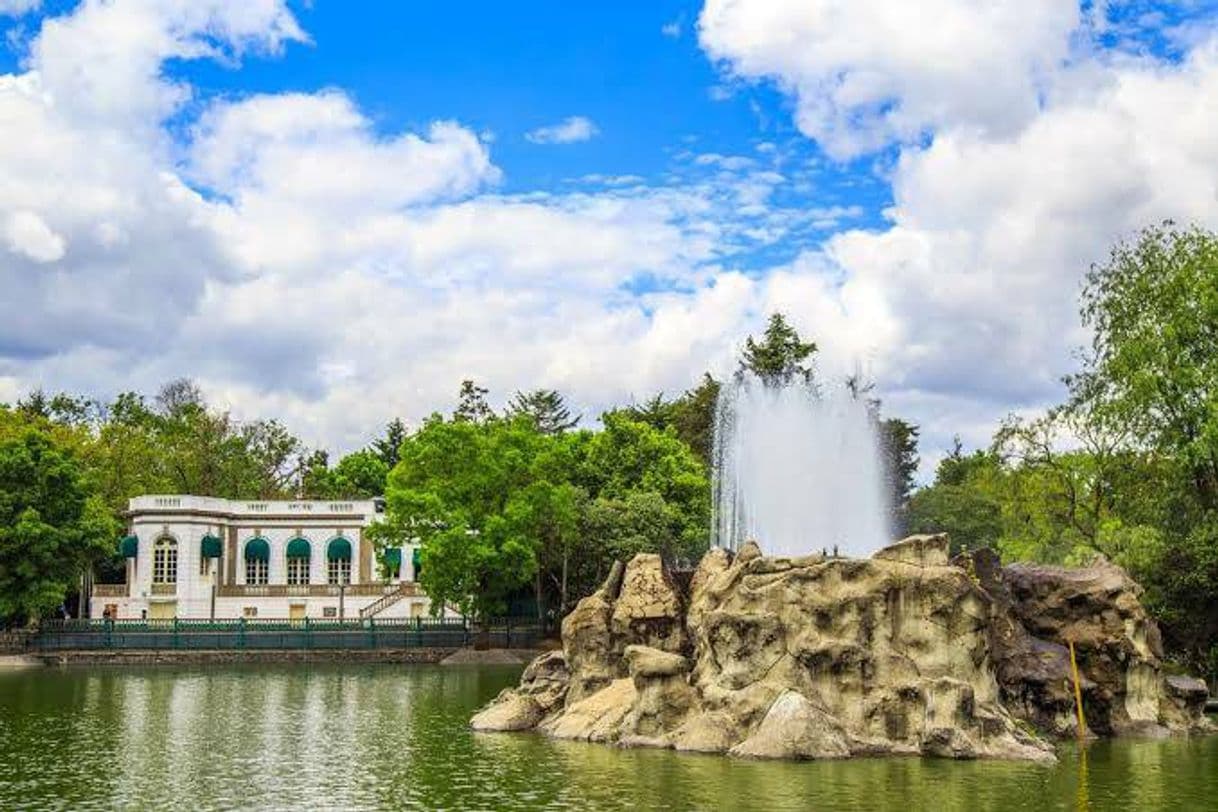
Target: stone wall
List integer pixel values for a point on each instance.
(13, 642)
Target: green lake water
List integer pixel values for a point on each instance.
(395, 737)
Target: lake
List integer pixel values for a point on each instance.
(395, 737)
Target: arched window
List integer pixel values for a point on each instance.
(165, 561)
(257, 561)
(298, 555)
(338, 561)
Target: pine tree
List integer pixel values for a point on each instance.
(389, 446)
(546, 408)
(471, 404)
(781, 354)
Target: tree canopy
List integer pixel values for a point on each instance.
(51, 528)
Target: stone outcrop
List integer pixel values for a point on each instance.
(813, 657)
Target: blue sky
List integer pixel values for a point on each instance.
(334, 212)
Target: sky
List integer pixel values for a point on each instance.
(332, 213)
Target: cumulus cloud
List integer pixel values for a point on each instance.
(865, 72)
(569, 131)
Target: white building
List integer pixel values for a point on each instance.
(199, 557)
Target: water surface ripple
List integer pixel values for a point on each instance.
(395, 737)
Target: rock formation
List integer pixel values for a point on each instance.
(903, 653)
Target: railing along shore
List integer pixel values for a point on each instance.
(282, 634)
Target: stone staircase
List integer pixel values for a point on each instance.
(404, 590)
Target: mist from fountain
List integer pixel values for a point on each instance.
(797, 470)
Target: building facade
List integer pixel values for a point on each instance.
(195, 557)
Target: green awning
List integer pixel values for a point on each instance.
(129, 546)
(258, 549)
(393, 558)
(339, 550)
(416, 558)
(298, 548)
(212, 546)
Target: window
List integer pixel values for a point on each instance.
(165, 562)
(257, 571)
(339, 571)
(298, 555)
(329, 611)
(257, 561)
(298, 571)
(338, 561)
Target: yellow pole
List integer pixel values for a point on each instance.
(1078, 693)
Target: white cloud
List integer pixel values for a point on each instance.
(568, 131)
(29, 235)
(865, 72)
(672, 29)
(16, 8)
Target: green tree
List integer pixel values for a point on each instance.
(387, 447)
(451, 490)
(546, 408)
(360, 475)
(899, 446)
(472, 406)
(964, 501)
(1153, 363)
(51, 528)
(693, 417)
(628, 457)
(780, 356)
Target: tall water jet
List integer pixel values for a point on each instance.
(797, 470)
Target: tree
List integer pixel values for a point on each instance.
(629, 457)
(451, 490)
(693, 417)
(387, 447)
(316, 478)
(471, 404)
(780, 355)
(360, 475)
(547, 410)
(963, 501)
(1153, 362)
(899, 446)
(51, 528)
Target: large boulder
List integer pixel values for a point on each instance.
(1117, 646)
(542, 691)
(812, 657)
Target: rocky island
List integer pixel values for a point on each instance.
(907, 652)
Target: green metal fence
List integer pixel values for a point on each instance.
(369, 633)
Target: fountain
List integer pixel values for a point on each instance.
(797, 469)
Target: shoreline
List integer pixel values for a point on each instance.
(455, 656)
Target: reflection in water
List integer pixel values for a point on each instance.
(376, 737)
